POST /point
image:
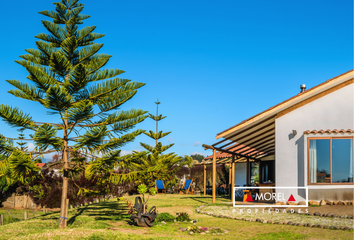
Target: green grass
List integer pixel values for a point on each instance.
(109, 220)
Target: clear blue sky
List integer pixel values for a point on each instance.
(212, 64)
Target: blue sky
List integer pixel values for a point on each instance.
(212, 64)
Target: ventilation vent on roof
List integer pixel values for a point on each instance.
(303, 87)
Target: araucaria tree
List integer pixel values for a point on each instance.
(163, 166)
(68, 79)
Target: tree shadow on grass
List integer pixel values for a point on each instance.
(111, 211)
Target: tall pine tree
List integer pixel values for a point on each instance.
(68, 79)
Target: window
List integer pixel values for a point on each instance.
(330, 160)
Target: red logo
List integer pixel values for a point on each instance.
(249, 198)
(291, 198)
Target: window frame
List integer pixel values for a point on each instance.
(308, 159)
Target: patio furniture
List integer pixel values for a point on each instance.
(160, 186)
(143, 219)
(186, 186)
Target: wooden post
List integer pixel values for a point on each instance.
(1, 219)
(248, 172)
(260, 172)
(233, 178)
(43, 209)
(214, 175)
(25, 215)
(205, 173)
(230, 180)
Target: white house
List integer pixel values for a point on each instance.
(305, 141)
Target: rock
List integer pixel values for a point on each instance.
(335, 227)
(202, 233)
(329, 214)
(291, 203)
(183, 229)
(281, 222)
(320, 226)
(258, 220)
(225, 231)
(191, 232)
(350, 203)
(325, 227)
(328, 202)
(290, 223)
(324, 215)
(314, 203)
(335, 202)
(163, 222)
(323, 202)
(297, 224)
(269, 221)
(264, 221)
(346, 228)
(342, 203)
(275, 222)
(343, 216)
(301, 203)
(317, 214)
(314, 226)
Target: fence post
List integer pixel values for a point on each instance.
(25, 215)
(1, 219)
(43, 209)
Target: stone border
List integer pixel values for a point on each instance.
(281, 222)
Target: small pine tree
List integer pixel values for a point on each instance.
(162, 166)
(21, 137)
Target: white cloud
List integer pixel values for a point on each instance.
(196, 143)
(30, 146)
(200, 153)
(124, 152)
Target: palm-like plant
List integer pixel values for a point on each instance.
(68, 79)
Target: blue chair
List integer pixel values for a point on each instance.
(186, 186)
(159, 186)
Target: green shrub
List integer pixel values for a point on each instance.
(183, 217)
(165, 217)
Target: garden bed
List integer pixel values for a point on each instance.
(278, 217)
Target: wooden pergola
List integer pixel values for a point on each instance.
(229, 156)
(245, 142)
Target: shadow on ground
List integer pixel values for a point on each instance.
(107, 211)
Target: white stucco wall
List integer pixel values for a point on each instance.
(240, 174)
(333, 111)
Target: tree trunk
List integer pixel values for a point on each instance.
(64, 208)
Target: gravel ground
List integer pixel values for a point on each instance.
(262, 215)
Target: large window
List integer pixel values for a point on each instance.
(330, 160)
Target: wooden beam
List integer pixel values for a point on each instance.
(223, 150)
(214, 175)
(255, 130)
(205, 173)
(233, 179)
(248, 172)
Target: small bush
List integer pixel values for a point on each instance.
(165, 217)
(183, 217)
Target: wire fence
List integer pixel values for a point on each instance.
(12, 216)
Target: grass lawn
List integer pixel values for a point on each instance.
(108, 220)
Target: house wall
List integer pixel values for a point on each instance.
(240, 174)
(332, 111)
